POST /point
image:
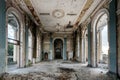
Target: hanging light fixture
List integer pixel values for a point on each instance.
(58, 27)
(69, 25)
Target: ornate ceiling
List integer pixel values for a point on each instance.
(60, 11)
(55, 15)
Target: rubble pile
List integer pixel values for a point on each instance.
(61, 74)
(58, 70)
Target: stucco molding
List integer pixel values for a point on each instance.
(84, 10)
(58, 38)
(16, 13)
(97, 15)
(95, 19)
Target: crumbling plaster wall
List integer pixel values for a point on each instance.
(11, 5)
(46, 42)
(118, 28)
(38, 47)
(20, 16)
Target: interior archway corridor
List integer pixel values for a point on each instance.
(59, 39)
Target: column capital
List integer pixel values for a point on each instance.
(65, 36)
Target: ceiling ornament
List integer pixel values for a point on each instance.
(58, 13)
(58, 27)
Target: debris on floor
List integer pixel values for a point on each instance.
(56, 70)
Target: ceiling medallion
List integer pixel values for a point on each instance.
(58, 13)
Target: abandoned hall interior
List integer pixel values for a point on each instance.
(59, 39)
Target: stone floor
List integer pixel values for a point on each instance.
(58, 70)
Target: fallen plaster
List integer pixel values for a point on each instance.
(58, 70)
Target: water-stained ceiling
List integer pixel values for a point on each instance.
(55, 13)
(59, 15)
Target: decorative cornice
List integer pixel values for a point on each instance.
(33, 12)
(84, 10)
(87, 21)
(60, 32)
(102, 3)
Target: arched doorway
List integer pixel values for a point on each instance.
(100, 37)
(58, 48)
(102, 41)
(13, 41)
(15, 37)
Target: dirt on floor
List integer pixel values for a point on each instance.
(63, 71)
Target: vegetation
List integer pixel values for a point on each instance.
(10, 53)
(10, 50)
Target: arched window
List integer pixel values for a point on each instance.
(13, 38)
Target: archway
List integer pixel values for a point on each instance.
(14, 27)
(99, 30)
(58, 48)
(13, 41)
(102, 41)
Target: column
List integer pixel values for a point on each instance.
(83, 50)
(21, 59)
(38, 48)
(34, 41)
(34, 48)
(78, 48)
(89, 45)
(77, 51)
(26, 45)
(112, 38)
(86, 49)
(51, 49)
(30, 46)
(118, 17)
(65, 49)
(2, 36)
(42, 46)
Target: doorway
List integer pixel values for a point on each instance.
(102, 41)
(13, 42)
(13, 39)
(58, 48)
